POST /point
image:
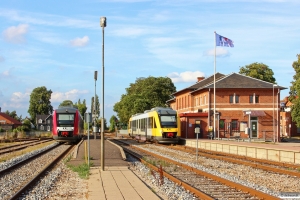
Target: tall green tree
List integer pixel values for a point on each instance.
(258, 71)
(95, 110)
(144, 94)
(39, 102)
(81, 107)
(97, 106)
(295, 91)
(66, 103)
(112, 123)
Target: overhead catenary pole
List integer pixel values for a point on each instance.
(102, 24)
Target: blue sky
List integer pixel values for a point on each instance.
(58, 44)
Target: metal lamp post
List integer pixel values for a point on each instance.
(102, 24)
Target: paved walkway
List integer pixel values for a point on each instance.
(116, 182)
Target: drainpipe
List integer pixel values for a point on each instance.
(278, 135)
(208, 108)
(186, 127)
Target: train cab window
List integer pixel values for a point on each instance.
(65, 119)
(168, 121)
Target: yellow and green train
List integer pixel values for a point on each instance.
(160, 125)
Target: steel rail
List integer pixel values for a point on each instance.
(41, 173)
(27, 160)
(17, 147)
(172, 178)
(243, 160)
(243, 188)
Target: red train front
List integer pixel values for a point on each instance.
(67, 125)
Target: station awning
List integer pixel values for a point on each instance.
(255, 113)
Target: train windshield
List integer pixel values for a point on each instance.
(168, 121)
(65, 119)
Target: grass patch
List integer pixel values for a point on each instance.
(82, 170)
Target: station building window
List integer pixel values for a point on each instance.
(234, 98)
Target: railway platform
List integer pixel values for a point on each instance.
(116, 181)
(280, 151)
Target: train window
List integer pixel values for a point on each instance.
(134, 125)
(150, 122)
(154, 123)
(168, 121)
(143, 124)
(65, 119)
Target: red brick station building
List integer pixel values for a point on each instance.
(240, 102)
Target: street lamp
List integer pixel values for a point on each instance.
(274, 85)
(102, 24)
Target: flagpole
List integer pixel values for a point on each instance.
(214, 129)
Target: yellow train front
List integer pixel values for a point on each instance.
(161, 125)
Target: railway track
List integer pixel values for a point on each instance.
(21, 145)
(267, 165)
(19, 175)
(204, 185)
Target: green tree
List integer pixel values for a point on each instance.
(95, 110)
(39, 102)
(14, 115)
(98, 124)
(26, 125)
(66, 103)
(112, 123)
(294, 92)
(144, 94)
(81, 107)
(258, 71)
(97, 106)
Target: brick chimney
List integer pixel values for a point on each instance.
(200, 79)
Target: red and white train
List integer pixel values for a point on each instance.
(67, 125)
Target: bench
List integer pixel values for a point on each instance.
(236, 136)
(210, 136)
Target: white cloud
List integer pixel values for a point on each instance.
(15, 34)
(18, 97)
(187, 76)
(80, 42)
(6, 73)
(220, 52)
(72, 95)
